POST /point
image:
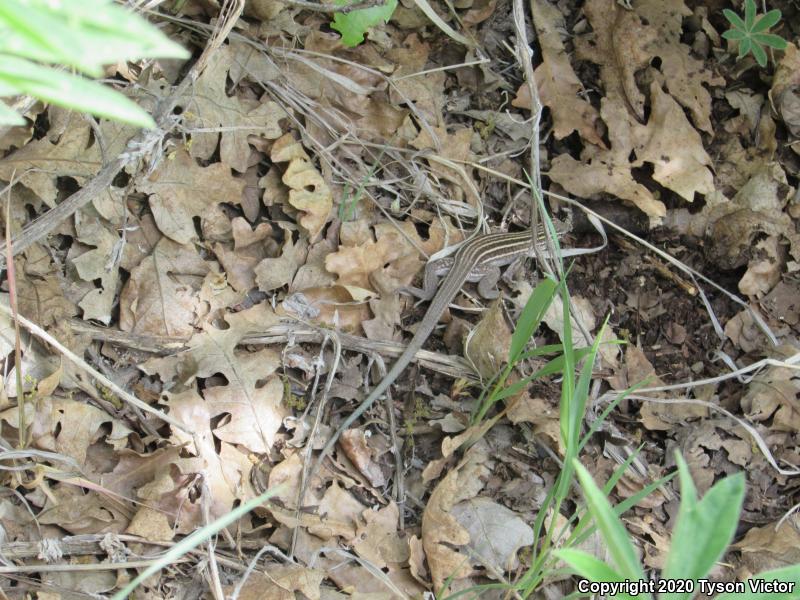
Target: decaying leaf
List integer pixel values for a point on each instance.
(559, 86)
(308, 191)
(487, 347)
(181, 190)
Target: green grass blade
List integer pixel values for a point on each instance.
(531, 317)
(588, 566)
(611, 528)
(703, 529)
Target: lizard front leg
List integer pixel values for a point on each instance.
(487, 285)
(433, 271)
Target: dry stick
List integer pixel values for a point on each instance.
(81, 364)
(12, 298)
(525, 58)
(331, 8)
(307, 473)
(281, 333)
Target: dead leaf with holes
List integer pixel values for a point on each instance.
(273, 273)
(96, 265)
(667, 142)
(283, 582)
(162, 295)
(624, 41)
(559, 86)
(221, 468)
(73, 152)
(308, 191)
(208, 106)
(180, 190)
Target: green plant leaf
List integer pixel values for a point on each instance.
(749, 14)
(70, 91)
(766, 21)
(734, 19)
(531, 317)
(771, 40)
(734, 34)
(611, 528)
(588, 566)
(703, 529)
(9, 117)
(744, 46)
(787, 574)
(84, 35)
(760, 54)
(354, 25)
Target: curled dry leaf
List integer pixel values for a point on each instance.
(274, 273)
(355, 444)
(487, 347)
(785, 91)
(772, 396)
(308, 191)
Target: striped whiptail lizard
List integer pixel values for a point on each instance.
(477, 259)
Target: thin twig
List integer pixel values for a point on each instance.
(331, 8)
